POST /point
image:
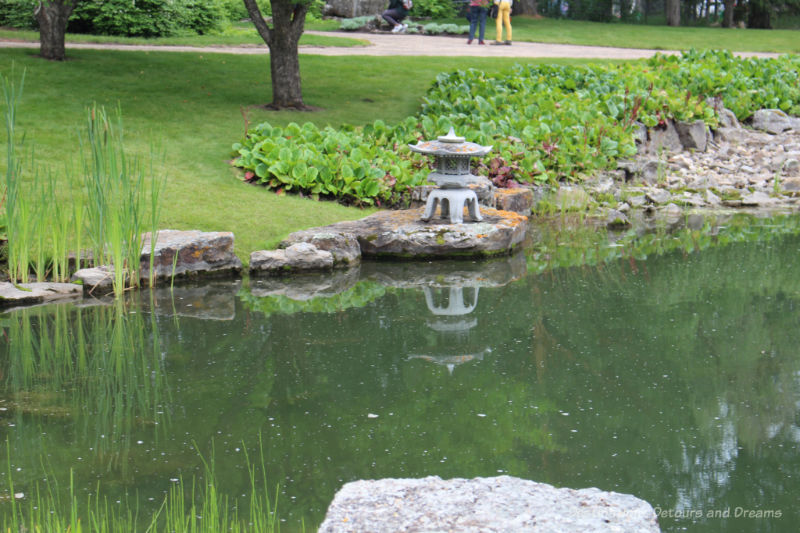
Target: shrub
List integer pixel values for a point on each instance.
(18, 14)
(436, 9)
(452, 29)
(147, 18)
(356, 23)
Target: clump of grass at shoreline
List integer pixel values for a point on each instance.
(109, 197)
(195, 505)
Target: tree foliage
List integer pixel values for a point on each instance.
(728, 13)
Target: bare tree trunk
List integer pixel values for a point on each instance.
(52, 16)
(529, 7)
(673, 8)
(288, 22)
(758, 14)
(727, 16)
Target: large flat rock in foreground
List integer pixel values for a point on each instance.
(402, 234)
(480, 505)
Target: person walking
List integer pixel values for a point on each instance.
(394, 15)
(478, 9)
(503, 19)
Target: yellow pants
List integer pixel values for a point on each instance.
(503, 17)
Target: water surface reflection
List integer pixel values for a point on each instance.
(674, 376)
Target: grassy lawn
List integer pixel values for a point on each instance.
(560, 31)
(192, 104)
(557, 31)
(195, 106)
(655, 37)
(239, 34)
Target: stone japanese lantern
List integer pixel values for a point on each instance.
(452, 157)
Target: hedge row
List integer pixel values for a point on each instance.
(139, 18)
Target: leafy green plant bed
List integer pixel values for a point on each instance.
(374, 22)
(547, 123)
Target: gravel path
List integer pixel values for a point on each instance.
(387, 44)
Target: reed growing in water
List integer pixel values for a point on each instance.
(110, 204)
(195, 506)
(102, 366)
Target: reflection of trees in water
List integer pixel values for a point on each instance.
(639, 375)
(703, 344)
(97, 370)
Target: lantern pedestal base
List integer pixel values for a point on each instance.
(452, 203)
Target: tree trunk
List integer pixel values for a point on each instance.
(528, 7)
(282, 38)
(758, 15)
(52, 16)
(727, 16)
(673, 8)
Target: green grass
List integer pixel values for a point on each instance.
(240, 34)
(191, 505)
(192, 105)
(560, 31)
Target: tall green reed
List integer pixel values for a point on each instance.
(17, 212)
(197, 506)
(115, 187)
(44, 230)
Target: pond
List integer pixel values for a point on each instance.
(664, 365)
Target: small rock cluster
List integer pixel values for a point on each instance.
(391, 234)
(176, 254)
(684, 165)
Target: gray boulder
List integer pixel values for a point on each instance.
(24, 294)
(499, 504)
(343, 246)
(616, 219)
(731, 135)
(658, 196)
(640, 136)
(664, 139)
(727, 119)
(757, 199)
(189, 254)
(518, 200)
(712, 198)
(96, 280)
(771, 120)
(402, 234)
(354, 8)
(299, 257)
(693, 135)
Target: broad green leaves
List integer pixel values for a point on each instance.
(549, 122)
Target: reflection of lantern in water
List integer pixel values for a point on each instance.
(450, 361)
(454, 304)
(450, 305)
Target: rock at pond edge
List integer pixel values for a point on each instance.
(501, 503)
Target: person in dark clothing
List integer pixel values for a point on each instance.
(395, 14)
(478, 9)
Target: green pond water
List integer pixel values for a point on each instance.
(664, 365)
